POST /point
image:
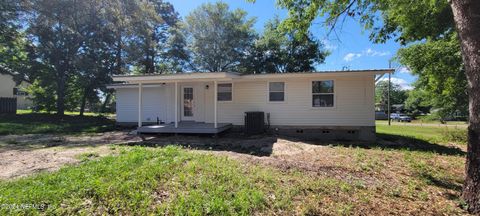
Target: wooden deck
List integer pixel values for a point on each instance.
(186, 128)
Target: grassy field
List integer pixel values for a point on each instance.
(34, 123)
(423, 176)
(422, 122)
(428, 134)
(70, 113)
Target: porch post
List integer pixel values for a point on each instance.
(176, 105)
(215, 99)
(140, 105)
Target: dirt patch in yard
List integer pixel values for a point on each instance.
(17, 163)
(381, 178)
(23, 155)
(288, 154)
(34, 141)
(391, 177)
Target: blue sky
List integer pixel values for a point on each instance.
(349, 48)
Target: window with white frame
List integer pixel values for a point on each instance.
(276, 91)
(224, 92)
(323, 93)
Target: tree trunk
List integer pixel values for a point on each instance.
(107, 99)
(61, 92)
(467, 19)
(118, 55)
(84, 102)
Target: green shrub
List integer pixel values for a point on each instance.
(455, 135)
(429, 118)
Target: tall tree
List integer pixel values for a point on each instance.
(175, 57)
(95, 58)
(418, 102)
(81, 44)
(409, 21)
(278, 52)
(14, 46)
(218, 38)
(439, 68)
(397, 94)
(467, 21)
(150, 27)
(57, 28)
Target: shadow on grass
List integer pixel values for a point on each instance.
(390, 142)
(35, 123)
(414, 144)
(443, 183)
(260, 145)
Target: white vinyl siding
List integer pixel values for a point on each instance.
(154, 106)
(158, 102)
(354, 103)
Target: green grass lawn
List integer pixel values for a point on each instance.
(432, 134)
(334, 179)
(70, 113)
(177, 181)
(421, 121)
(142, 180)
(34, 123)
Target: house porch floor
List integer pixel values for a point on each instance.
(186, 127)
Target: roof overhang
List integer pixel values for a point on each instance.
(318, 74)
(180, 77)
(129, 81)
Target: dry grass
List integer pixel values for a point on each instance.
(409, 174)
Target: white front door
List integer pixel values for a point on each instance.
(188, 103)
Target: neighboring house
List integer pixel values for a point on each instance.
(330, 104)
(8, 88)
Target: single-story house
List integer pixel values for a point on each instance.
(9, 88)
(330, 104)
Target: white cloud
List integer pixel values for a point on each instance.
(329, 45)
(368, 52)
(404, 70)
(399, 81)
(351, 56)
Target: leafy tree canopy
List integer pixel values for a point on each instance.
(277, 52)
(405, 21)
(219, 38)
(438, 65)
(397, 94)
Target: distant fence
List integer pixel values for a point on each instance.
(8, 105)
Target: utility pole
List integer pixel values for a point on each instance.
(389, 89)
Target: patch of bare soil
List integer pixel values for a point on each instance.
(283, 153)
(427, 185)
(23, 155)
(29, 141)
(17, 163)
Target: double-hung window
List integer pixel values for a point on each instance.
(323, 94)
(276, 91)
(224, 92)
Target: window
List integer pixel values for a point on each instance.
(18, 92)
(224, 92)
(322, 93)
(276, 91)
